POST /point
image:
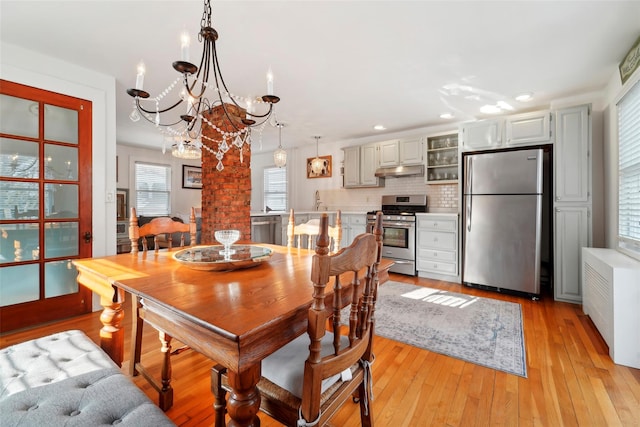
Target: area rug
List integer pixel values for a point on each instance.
(483, 331)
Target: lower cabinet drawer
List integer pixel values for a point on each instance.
(436, 255)
(437, 240)
(436, 266)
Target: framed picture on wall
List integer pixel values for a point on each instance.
(326, 168)
(122, 203)
(191, 177)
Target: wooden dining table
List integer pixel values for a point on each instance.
(236, 317)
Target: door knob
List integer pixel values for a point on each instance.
(87, 237)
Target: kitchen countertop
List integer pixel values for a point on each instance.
(441, 213)
(303, 212)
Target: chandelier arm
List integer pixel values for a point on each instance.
(218, 73)
(267, 114)
(144, 110)
(204, 69)
(154, 122)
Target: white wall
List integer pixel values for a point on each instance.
(182, 199)
(34, 69)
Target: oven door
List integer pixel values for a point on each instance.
(398, 240)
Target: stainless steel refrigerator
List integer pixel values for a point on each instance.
(502, 208)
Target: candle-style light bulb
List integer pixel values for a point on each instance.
(269, 82)
(185, 41)
(189, 104)
(140, 76)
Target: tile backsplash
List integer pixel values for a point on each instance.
(441, 196)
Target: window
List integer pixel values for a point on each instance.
(153, 189)
(275, 189)
(629, 172)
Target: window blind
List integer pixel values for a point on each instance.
(153, 189)
(275, 188)
(629, 171)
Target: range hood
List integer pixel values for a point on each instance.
(400, 171)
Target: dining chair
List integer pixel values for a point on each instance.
(302, 235)
(307, 381)
(156, 227)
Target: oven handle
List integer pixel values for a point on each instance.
(398, 224)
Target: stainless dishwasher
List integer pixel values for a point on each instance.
(265, 229)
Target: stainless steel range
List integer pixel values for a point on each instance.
(399, 230)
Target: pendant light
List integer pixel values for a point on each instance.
(317, 164)
(280, 156)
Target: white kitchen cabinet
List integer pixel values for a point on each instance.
(437, 246)
(571, 155)
(528, 128)
(352, 225)
(389, 153)
(572, 199)
(360, 164)
(351, 175)
(442, 159)
(483, 134)
(410, 151)
(571, 233)
(400, 152)
(368, 166)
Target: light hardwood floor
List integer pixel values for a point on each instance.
(571, 381)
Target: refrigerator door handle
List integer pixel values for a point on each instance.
(469, 177)
(469, 191)
(469, 201)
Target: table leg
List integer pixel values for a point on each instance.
(112, 334)
(166, 392)
(244, 400)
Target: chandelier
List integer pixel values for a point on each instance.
(239, 112)
(280, 156)
(186, 150)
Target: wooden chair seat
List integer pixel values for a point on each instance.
(291, 387)
(156, 227)
(304, 235)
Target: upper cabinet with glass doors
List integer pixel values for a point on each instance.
(442, 159)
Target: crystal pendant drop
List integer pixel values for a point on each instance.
(157, 121)
(220, 166)
(219, 155)
(241, 156)
(237, 142)
(223, 146)
(134, 116)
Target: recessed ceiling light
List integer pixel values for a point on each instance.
(490, 109)
(504, 106)
(446, 116)
(379, 127)
(524, 97)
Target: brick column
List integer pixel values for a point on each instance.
(226, 194)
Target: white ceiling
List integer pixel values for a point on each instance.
(342, 67)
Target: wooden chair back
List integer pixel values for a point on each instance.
(329, 352)
(360, 259)
(160, 226)
(304, 235)
(157, 226)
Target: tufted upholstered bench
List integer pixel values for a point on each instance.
(66, 379)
